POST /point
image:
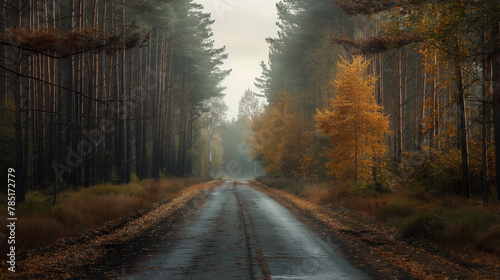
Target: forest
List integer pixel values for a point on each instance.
(379, 119)
(99, 91)
(384, 92)
(105, 91)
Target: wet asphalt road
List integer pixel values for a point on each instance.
(241, 233)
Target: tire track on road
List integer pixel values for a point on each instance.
(253, 253)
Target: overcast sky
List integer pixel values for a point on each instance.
(242, 26)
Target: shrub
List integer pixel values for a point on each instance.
(338, 192)
(36, 202)
(464, 225)
(489, 240)
(282, 183)
(456, 227)
(134, 178)
(373, 189)
(397, 207)
(427, 224)
(133, 189)
(441, 172)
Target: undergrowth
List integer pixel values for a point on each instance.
(416, 211)
(40, 221)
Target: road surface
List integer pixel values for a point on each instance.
(241, 233)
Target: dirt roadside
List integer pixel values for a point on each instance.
(368, 243)
(111, 265)
(69, 258)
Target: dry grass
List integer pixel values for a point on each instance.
(363, 204)
(38, 229)
(317, 193)
(489, 240)
(396, 208)
(77, 212)
(449, 219)
(40, 222)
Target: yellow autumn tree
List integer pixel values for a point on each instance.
(355, 123)
(279, 137)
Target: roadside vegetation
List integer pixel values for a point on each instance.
(418, 213)
(78, 210)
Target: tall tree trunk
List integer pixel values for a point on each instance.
(128, 137)
(400, 100)
(156, 113)
(181, 157)
(495, 64)
(434, 102)
(147, 108)
(139, 153)
(170, 130)
(421, 113)
(484, 121)
(462, 130)
(3, 56)
(122, 96)
(17, 91)
(210, 141)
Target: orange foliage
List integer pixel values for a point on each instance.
(279, 137)
(50, 40)
(446, 26)
(354, 122)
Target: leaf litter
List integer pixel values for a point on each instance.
(64, 258)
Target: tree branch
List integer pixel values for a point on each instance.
(52, 84)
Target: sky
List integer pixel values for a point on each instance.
(242, 26)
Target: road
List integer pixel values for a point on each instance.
(241, 233)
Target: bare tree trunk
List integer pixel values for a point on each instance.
(147, 109)
(421, 114)
(3, 56)
(128, 137)
(139, 153)
(495, 64)
(110, 90)
(484, 121)
(416, 103)
(170, 130)
(400, 100)
(433, 129)
(122, 94)
(462, 131)
(17, 91)
(156, 113)
(181, 157)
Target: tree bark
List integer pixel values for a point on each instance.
(495, 64)
(484, 121)
(462, 130)
(400, 100)
(17, 91)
